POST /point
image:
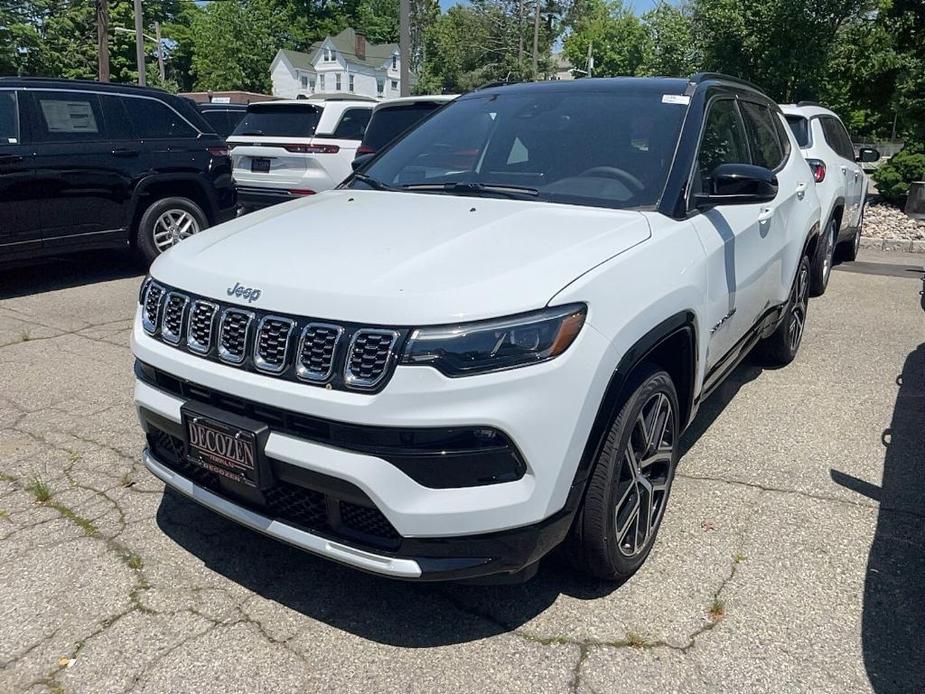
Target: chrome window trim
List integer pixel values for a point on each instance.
(191, 342)
(262, 364)
(151, 327)
(300, 370)
(169, 337)
(223, 353)
(359, 383)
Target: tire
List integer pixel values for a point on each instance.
(608, 539)
(848, 251)
(166, 222)
(823, 259)
(781, 347)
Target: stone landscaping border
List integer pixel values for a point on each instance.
(895, 245)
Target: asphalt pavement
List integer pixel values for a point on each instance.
(791, 557)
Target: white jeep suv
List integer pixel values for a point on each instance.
(840, 183)
(490, 339)
(282, 150)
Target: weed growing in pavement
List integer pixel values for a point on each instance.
(25, 336)
(717, 610)
(127, 480)
(636, 640)
(133, 561)
(39, 489)
(739, 558)
(4, 513)
(85, 524)
(73, 456)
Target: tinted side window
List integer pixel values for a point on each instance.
(762, 135)
(9, 119)
(153, 120)
(68, 117)
(219, 121)
(837, 137)
(800, 127)
(117, 122)
(352, 124)
(723, 142)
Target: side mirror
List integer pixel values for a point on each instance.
(360, 160)
(738, 184)
(868, 155)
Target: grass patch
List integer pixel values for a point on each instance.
(133, 561)
(636, 640)
(73, 456)
(5, 478)
(717, 610)
(39, 489)
(739, 558)
(85, 524)
(4, 513)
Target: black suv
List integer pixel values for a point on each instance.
(93, 165)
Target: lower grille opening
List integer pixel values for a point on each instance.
(303, 507)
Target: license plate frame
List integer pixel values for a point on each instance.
(227, 445)
(260, 165)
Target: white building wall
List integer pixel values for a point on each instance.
(285, 84)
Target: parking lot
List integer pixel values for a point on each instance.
(791, 558)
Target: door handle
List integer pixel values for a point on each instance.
(844, 170)
(801, 190)
(764, 216)
(11, 159)
(124, 152)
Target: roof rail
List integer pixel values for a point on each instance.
(810, 103)
(95, 83)
(720, 77)
(489, 85)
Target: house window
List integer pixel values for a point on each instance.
(311, 85)
(352, 83)
(304, 82)
(329, 54)
(321, 82)
(380, 85)
(394, 62)
(337, 81)
(394, 85)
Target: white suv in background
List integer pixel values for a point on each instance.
(283, 150)
(840, 182)
(490, 339)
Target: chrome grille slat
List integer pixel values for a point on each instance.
(151, 309)
(271, 346)
(317, 348)
(369, 357)
(172, 316)
(201, 326)
(234, 333)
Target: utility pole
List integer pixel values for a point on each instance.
(404, 45)
(102, 38)
(139, 44)
(590, 59)
(160, 50)
(536, 39)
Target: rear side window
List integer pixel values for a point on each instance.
(289, 120)
(837, 137)
(118, 124)
(352, 124)
(388, 123)
(219, 121)
(723, 142)
(800, 127)
(763, 139)
(154, 120)
(9, 119)
(68, 117)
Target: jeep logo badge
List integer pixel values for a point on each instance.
(249, 294)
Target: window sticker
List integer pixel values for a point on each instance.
(675, 99)
(69, 116)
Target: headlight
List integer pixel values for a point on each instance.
(493, 345)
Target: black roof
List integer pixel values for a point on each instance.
(52, 82)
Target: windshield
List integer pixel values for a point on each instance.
(800, 127)
(389, 123)
(280, 121)
(604, 148)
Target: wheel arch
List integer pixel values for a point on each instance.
(159, 186)
(672, 344)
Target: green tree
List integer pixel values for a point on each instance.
(615, 35)
(671, 44)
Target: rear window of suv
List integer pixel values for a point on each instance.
(283, 120)
(389, 123)
(800, 127)
(9, 119)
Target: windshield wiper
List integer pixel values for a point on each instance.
(461, 188)
(373, 183)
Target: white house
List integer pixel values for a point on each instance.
(344, 64)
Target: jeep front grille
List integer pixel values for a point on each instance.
(345, 356)
(233, 334)
(151, 309)
(316, 351)
(172, 321)
(201, 326)
(371, 353)
(272, 349)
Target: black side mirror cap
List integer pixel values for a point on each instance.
(361, 159)
(738, 184)
(868, 155)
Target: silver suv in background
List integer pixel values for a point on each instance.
(840, 182)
